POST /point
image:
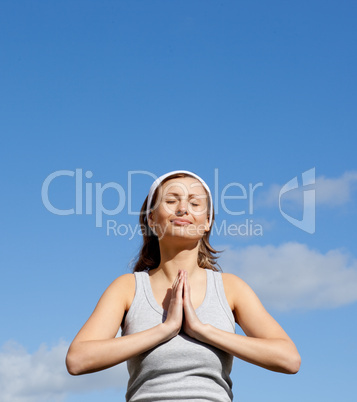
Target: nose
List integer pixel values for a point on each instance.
(181, 208)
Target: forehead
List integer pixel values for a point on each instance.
(183, 185)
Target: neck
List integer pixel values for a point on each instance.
(176, 257)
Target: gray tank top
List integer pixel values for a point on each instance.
(181, 369)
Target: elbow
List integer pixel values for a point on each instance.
(297, 364)
(294, 363)
(73, 363)
(291, 360)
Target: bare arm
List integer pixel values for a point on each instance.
(95, 346)
(266, 344)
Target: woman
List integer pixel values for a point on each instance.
(177, 312)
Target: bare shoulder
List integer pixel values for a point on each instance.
(232, 280)
(235, 284)
(248, 310)
(124, 280)
(234, 288)
(240, 295)
(108, 314)
(123, 287)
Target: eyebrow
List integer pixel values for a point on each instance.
(190, 195)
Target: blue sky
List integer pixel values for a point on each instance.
(238, 92)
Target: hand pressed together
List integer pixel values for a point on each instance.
(181, 313)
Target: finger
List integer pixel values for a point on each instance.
(187, 296)
(187, 286)
(174, 285)
(179, 290)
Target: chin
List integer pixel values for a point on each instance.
(181, 235)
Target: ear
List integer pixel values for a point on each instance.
(151, 220)
(207, 226)
(151, 223)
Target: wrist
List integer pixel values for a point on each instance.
(204, 334)
(168, 330)
(199, 331)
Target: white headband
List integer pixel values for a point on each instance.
(156, 183)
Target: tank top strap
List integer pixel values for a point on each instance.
(211, 290)
(149, 295)
(216, 291)
(140, 286)
(139, 283)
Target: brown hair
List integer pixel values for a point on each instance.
(149, 255)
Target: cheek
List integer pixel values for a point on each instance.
(198, 210)
(200, 213)
(162, 212)
(168, 209)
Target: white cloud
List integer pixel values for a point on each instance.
(42, 376)
(333, 192)
(293, 276)
(270, 197)
(329, 191)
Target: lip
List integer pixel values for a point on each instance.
(180, 222)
